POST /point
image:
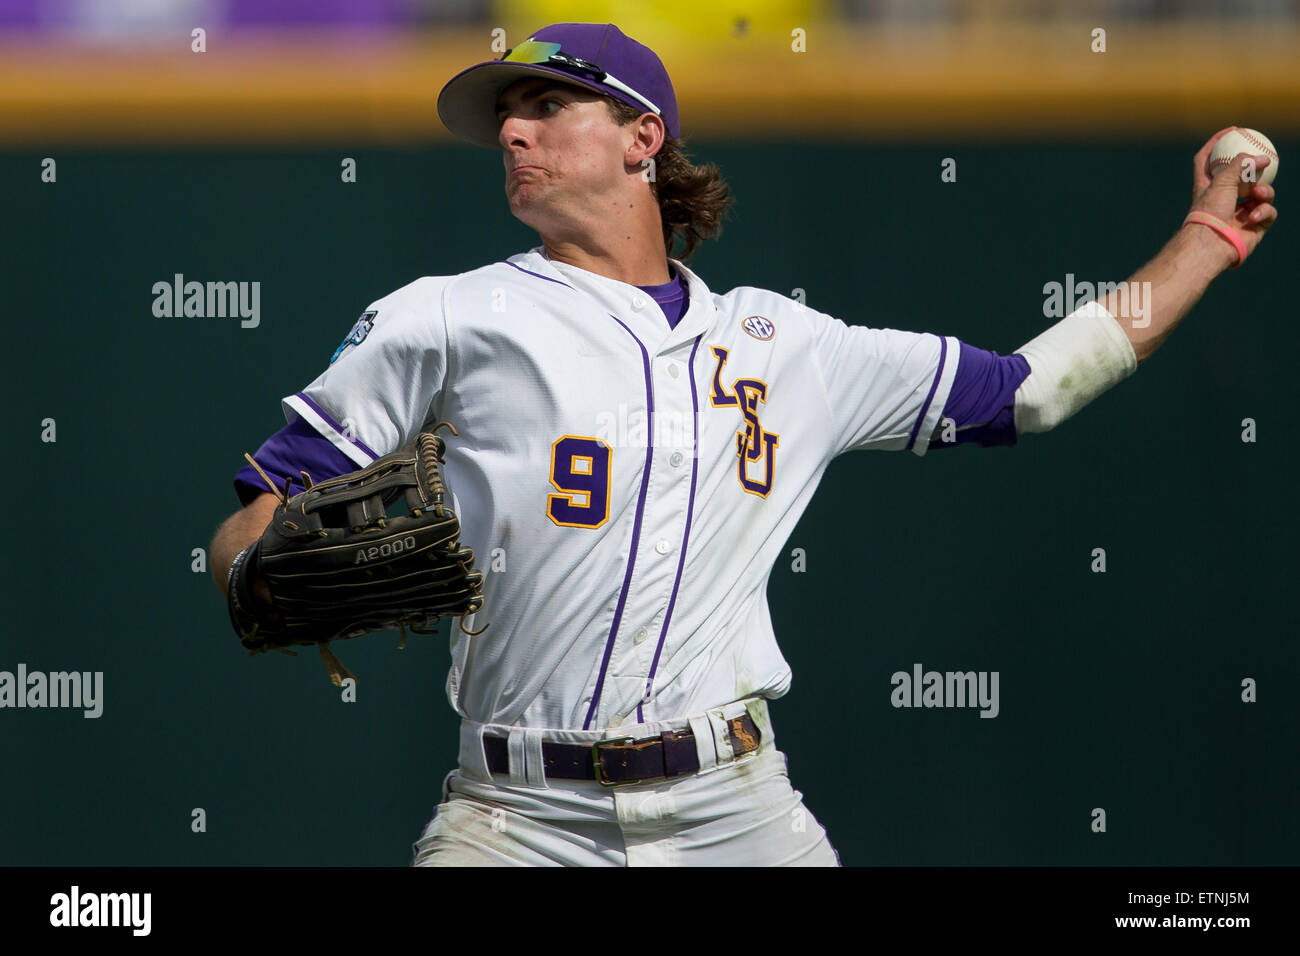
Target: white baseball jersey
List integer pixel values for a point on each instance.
(625, 486)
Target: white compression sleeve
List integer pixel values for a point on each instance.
(1070, 364)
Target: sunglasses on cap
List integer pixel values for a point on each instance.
(539, 52)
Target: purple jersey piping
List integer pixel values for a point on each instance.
(538, 275)
(640, 505)
(943, 355)
(335, 425)
(686, 535)
(636, 528)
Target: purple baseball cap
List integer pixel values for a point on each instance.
(597, 56)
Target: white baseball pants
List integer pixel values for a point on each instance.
(733, 812)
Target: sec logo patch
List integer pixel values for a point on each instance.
(759, 327)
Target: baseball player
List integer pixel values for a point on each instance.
(634, 450)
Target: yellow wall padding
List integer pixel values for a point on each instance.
(830, 81)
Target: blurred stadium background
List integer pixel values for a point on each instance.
(1119, 690)
(302, 70)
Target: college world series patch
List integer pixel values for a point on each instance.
(356, 336)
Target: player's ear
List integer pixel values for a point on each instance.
(648, 136)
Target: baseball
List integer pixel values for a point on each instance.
(1251, 142)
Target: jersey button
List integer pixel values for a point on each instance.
(675, 459)
(663, 547)
(674, 370)
(638, 302)
(641, 634)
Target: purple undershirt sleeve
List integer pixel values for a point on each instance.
(982, 399)
(295, 447)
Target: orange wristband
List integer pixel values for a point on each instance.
(1223, 229)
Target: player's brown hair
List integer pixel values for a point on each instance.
(692, 199)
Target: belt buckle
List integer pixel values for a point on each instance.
(595, 759)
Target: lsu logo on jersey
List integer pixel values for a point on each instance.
(760, 327)
(755, 447)
(356, 336)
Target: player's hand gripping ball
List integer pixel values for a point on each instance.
(337, 564)
(1232, 192)
(1234, 143)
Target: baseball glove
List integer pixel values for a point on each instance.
(344, 558)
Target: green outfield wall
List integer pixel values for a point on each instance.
(1119, 690)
